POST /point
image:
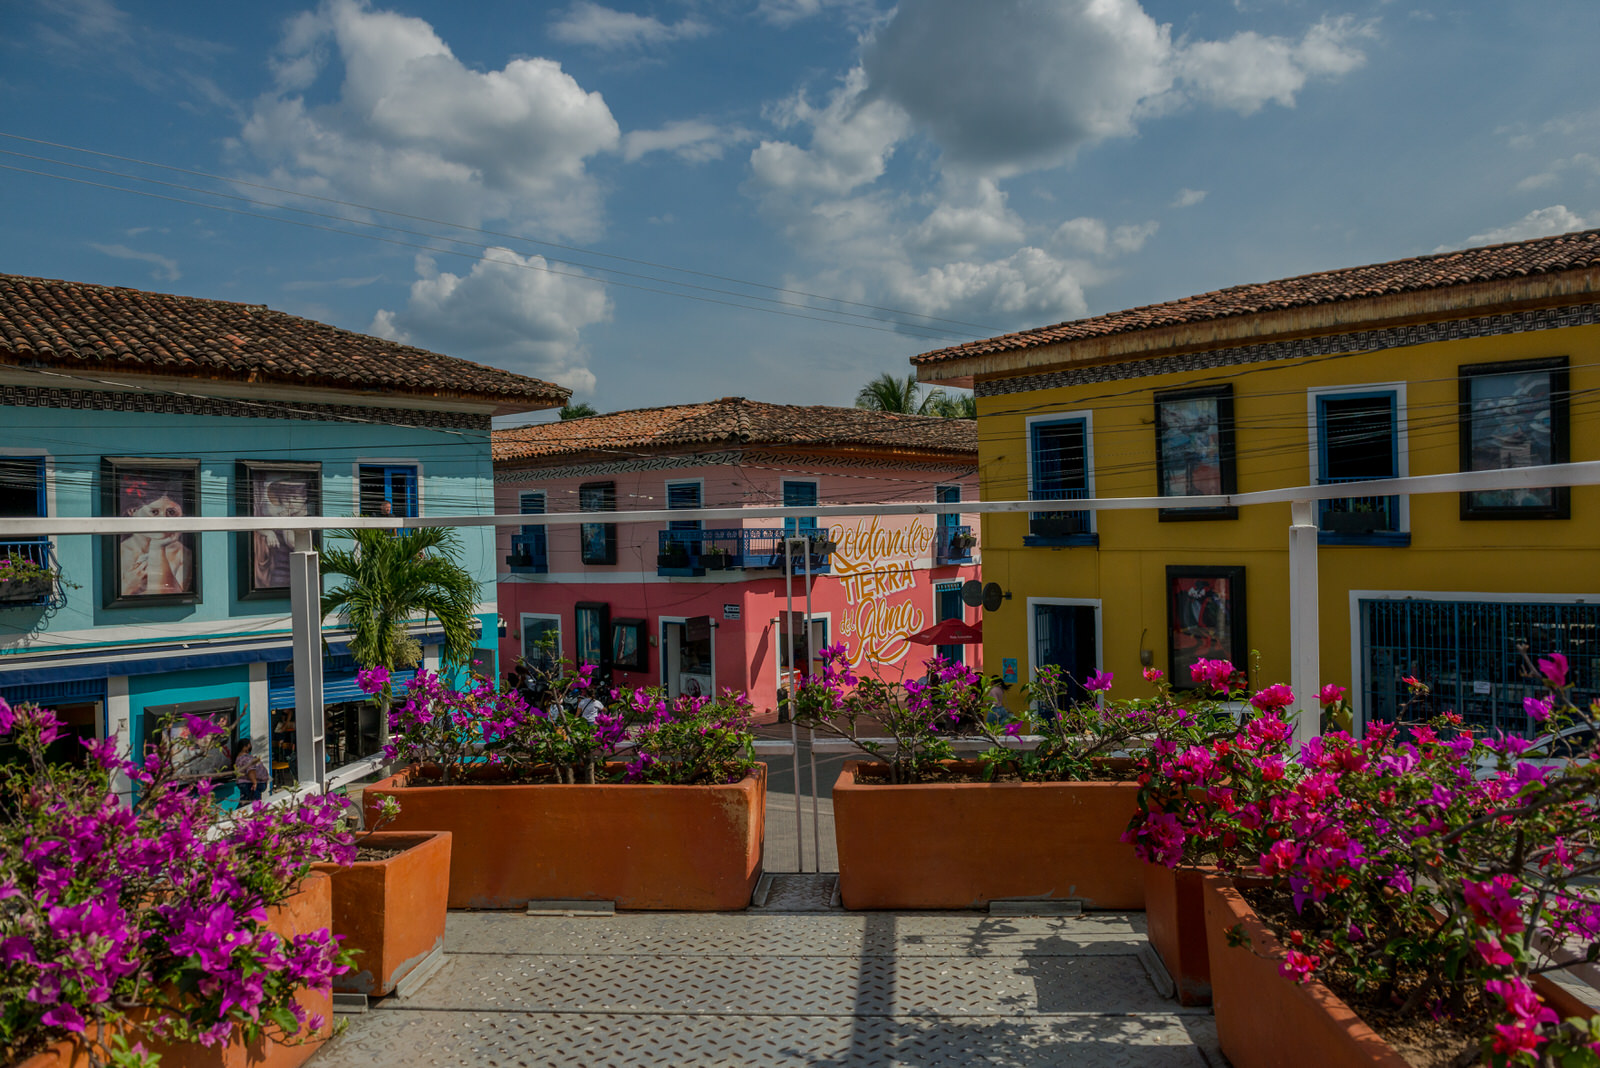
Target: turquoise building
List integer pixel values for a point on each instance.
(117, 402)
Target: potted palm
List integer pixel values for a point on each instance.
(391, 577)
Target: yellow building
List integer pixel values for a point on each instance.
(1486, 358)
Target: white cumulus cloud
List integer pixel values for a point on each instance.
(597, 26)
(690, 139)
(1188, 198)
(166, 268)
(411, 127)
(510, 311)
(1543, 222)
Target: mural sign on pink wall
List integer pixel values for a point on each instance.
(875, 568)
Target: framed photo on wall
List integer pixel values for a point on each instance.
(1195, 449)
(629, 650)
(1515, 415)
(268, 489)
(1205, 619)
(158, 567)
(593, 633)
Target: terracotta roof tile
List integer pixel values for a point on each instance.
(1544, 255)
(736, 422)
(84, 327)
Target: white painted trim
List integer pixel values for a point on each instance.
(1581, 473)
(521, 493)
(119, 722)
(1087, 415)
(1358, 692)
(661, 657)
(1401, 429)
(780, 647)
(522, 632)
(1033, 637)
(430, 658)
(933, 597)
(260, 714)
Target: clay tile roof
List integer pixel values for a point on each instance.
(1544, 255)
(92, 327)
(737, 422)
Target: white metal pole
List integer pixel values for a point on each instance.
(794, 728)
(305, 615)
(811, 736)
(1304, 637)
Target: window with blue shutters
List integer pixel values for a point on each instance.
(799, 495)
(1358, 439)
(389, 489)
(1059, 469)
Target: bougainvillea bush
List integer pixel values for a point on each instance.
(919, 716)
(124, 923)
(1425, 870)
(638, 735)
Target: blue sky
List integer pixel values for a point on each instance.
(953, 168)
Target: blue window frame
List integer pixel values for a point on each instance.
(531, 503)
(1058, 453)
(947, 605)
(1358, 438)
(799, 495)
(391, 485)
(948, 520)
(22, 492)
(529, 549)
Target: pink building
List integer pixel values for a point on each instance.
(694, 606)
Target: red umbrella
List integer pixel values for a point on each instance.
(949, 632)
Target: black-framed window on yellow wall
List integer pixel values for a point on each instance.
(1515, 414)
(1195, 449)
(598, 541)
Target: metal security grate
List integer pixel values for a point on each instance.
(1475, 657)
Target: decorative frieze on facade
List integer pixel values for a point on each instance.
(1299, 348)
(179, 404)
(789, 462)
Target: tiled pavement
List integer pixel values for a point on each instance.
(778, 987)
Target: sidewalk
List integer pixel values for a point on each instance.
(825, 988)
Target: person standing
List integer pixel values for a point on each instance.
(250, 771)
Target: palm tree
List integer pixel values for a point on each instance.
(959, 406)
(577, 411)
(390, 577)
(886, 393)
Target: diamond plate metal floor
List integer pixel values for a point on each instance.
(801, 988)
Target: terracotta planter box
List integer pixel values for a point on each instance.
(962, 845)
(1266, 1021)
(392, 911)
(308, 910)
(1175, 920)
(687, 848)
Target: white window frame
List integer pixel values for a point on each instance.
(522, 632)
(1079, 602)
(666, 496)
(945, 586)
(1402, 443)
(1087, 416)
(661, 644)
(780, 648)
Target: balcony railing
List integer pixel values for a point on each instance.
(952, 545)
(26, 592)
(1358, 516)
(1059, 524)
(529, 553)
(694, 552)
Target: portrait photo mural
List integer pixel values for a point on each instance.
(158, 565)
(274, 491)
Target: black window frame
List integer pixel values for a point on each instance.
(112, 468)
(1559, 369)
(1227, 451)
(245, 475)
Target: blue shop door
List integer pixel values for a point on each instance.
(1064, 635)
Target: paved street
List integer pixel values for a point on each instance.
(775, 986)
(781, 854)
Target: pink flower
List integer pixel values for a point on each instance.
(1493, 953)
(1554, 671)
(1152, 674)
(1273, 698)
(7, 717)
(1099, 682)
(1538, 708)
(202, 727)
(1213, 673)
(1298, 965)
(372, 680)
(1331, 694)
